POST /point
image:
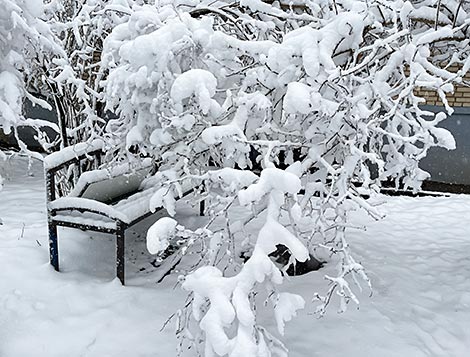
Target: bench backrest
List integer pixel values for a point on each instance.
(76, 171)
(61, 180)
(107, 186)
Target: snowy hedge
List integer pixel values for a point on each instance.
(320, 95)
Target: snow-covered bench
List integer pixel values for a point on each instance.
(81, 194)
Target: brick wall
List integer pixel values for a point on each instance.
(460, 97)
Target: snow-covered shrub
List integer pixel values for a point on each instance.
(25, 43)
(320, 95)
(73, 80)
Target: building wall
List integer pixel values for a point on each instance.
(444, 165)
(451, 166)
(460, 97)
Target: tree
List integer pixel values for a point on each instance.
(320, 96)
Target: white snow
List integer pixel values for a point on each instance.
(10, 100)
(273, 229)
(216, 134)
(231, 178)
(159, 234)
(444, 137)
(270, 179)
(163, 197)
(198, 82)
(286, 308)
(71, 152)
(300, 98)
(434, 35)
(66, 203)
(297, 99)
(417, 258)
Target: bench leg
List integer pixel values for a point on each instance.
(53, 246)
(120, 245)
(202, 207)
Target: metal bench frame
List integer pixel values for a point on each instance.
(53, 223)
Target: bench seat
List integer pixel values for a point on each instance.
(126, 210)
(87, 219)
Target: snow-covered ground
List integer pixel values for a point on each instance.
(418, 259)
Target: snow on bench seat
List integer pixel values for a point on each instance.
(126, 210)
(86, 204)
(86, 218)
(137, 205)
